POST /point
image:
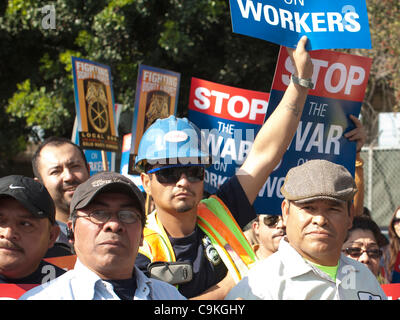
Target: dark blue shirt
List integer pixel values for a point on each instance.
(44, 273)
(196, 248)
(125, 289)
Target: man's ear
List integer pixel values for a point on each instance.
(141, 239)
(146, 182)
(70, 232)
(54, 233)
(285, 211)
(255, 226)
(352, 211)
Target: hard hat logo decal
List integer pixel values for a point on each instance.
(175, 136)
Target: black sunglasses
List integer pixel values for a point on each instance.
(271, 220)
(356, 252)
(395, 220)
(172, 174)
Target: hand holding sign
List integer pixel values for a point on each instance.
(328, 24)
(301, 60)
(340, 81)
(358, 134)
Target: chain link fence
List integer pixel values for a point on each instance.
(381, 182)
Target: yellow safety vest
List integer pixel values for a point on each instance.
(217, 222)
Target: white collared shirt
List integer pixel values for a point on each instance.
(285, 275)
(83, 284)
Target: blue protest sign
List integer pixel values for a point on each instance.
(93, 157)
(340, 82)
(327, 24)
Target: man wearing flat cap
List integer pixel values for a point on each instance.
(27, 230)
(317, 212)
(106, 222)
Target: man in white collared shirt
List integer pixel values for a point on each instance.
(317, 212)
(285, 275)
(107, 217)
(83, 284)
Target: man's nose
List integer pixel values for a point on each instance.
(183, 180)
(9, 233)
(279, 224)
(67, 174)
(114, 224)
(364, 258)
(319, 219)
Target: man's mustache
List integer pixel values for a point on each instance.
(8, 244)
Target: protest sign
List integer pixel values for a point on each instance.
(327, 24)
(392, 290)
(12, 291)
(340, 82)
(229, 119)
(156, 97)
(95, 157)
(94, 101)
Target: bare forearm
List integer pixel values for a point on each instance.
(272, 141)
(278, 131)
(280, 128)
(214, 293)
(218, 291)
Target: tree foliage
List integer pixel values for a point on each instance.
(193, 37)
(383, 92)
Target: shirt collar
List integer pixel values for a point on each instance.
(92, 282)
(290, 257)
(85, 281)
(143, 290)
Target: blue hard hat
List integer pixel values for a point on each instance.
(172, 141)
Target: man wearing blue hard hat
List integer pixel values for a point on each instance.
(198, 244)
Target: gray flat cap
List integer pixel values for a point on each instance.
(319, 179)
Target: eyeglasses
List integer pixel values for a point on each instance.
(271, 220)
(102, 216)
(172, 174)
(355, 252)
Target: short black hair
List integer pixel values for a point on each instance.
(366, 223)
(53, 141)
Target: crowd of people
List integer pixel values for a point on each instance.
(321, 246)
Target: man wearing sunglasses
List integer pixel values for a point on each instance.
(268, 230)
(206, 234)
(317, 212)
(107, 217)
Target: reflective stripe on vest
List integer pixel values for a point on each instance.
(215, 219)
(156, 245)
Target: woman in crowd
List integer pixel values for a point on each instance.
(394, 247)
(364, 243)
